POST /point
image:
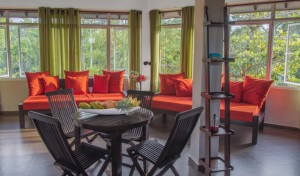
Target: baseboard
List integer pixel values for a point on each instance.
(9, 112)
(282, 127)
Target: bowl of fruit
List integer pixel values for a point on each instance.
(111, 107)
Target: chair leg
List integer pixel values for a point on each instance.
(255, 130)
(21, 116)
(134, 159)
(131, 170)
(174, 171)
(66, 173)
(164, 118)
(104, 165)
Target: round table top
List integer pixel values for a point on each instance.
(111, 123)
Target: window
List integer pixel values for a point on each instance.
(265, 40)
(19, 43)
(104, 42)
(170, 41)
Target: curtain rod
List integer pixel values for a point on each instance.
(258, 3)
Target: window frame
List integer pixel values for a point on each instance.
(271, 23)
(108, 35)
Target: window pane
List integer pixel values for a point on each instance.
(250, 12)
(23, 17)
(92, 18)
(119, 50)
(287, 10)
(118, 22)
(170, 39)
(93, 50)
(248, 45)
(25, 52)
(2, 17)
(250, 16)
(287, 14)
(279, 51)
(169, 21)
(3, 53)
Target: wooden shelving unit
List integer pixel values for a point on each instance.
(217, 164)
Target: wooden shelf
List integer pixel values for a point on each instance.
(217, 95)
(217, 165)
(217, 59)
(220, 132)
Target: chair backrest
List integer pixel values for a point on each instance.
(63, 106)
(52, 135)
(144, 96)
(179, 136)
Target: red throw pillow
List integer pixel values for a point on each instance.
(51, 83)
(35, 82)
(167, 83)
(115, 81)
(184, 87)
(255, 90)
(77, 74)
(236, 88)
(78, 84)
(101, 83)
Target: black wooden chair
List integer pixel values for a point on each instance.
(163, 157)
(63, 106)
(77, 161)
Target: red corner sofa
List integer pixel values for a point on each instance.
(241, 113)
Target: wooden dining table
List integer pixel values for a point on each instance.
(113, 125)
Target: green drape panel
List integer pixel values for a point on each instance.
(135, 26)
(59, 40)
(155, 28)
(187, 41)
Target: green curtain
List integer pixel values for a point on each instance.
(155, 28)
(135, 27)
(187, 41)
(59, 40)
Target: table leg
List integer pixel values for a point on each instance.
(77, 139)
(116, 150)
(145, 137)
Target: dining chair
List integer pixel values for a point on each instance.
(63, 106)
(163, 157)
(77, 161)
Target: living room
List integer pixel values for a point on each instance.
(281, 109)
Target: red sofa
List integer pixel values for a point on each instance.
(240, 113)
(40, 102)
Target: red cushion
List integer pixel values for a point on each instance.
(104, 97)
(101, 83)
(36, 102)
(255, 90)
(77, 74)
(78, 84)
(240, 111)
(167, 83)
(115, 81)
(236, 88)
(172, 103)
(35, 82)
(184, 87)
(51, 83)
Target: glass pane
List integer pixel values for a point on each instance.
(3, 53)
(248, 45)
(279, 51)
(93, 50)
(250, 16)
(170, 39)
(2, 17)
(25, 52)
(171, 21)
(287, 14)
(119, 49)
(119, 22)
(23, 17)
(292, 60)
(94, 21)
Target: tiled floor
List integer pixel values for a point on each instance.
(276, 154)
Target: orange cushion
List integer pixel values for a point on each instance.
(35, 82)
(236, 88)
(104, 97)
(101, 83)
(184, 87)
(78, 84)
(77, 74)
(37, 102)
(115, 81)
(240, 111)
(172, 103)
(167, 83)
(255, 90)
(51, 83)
